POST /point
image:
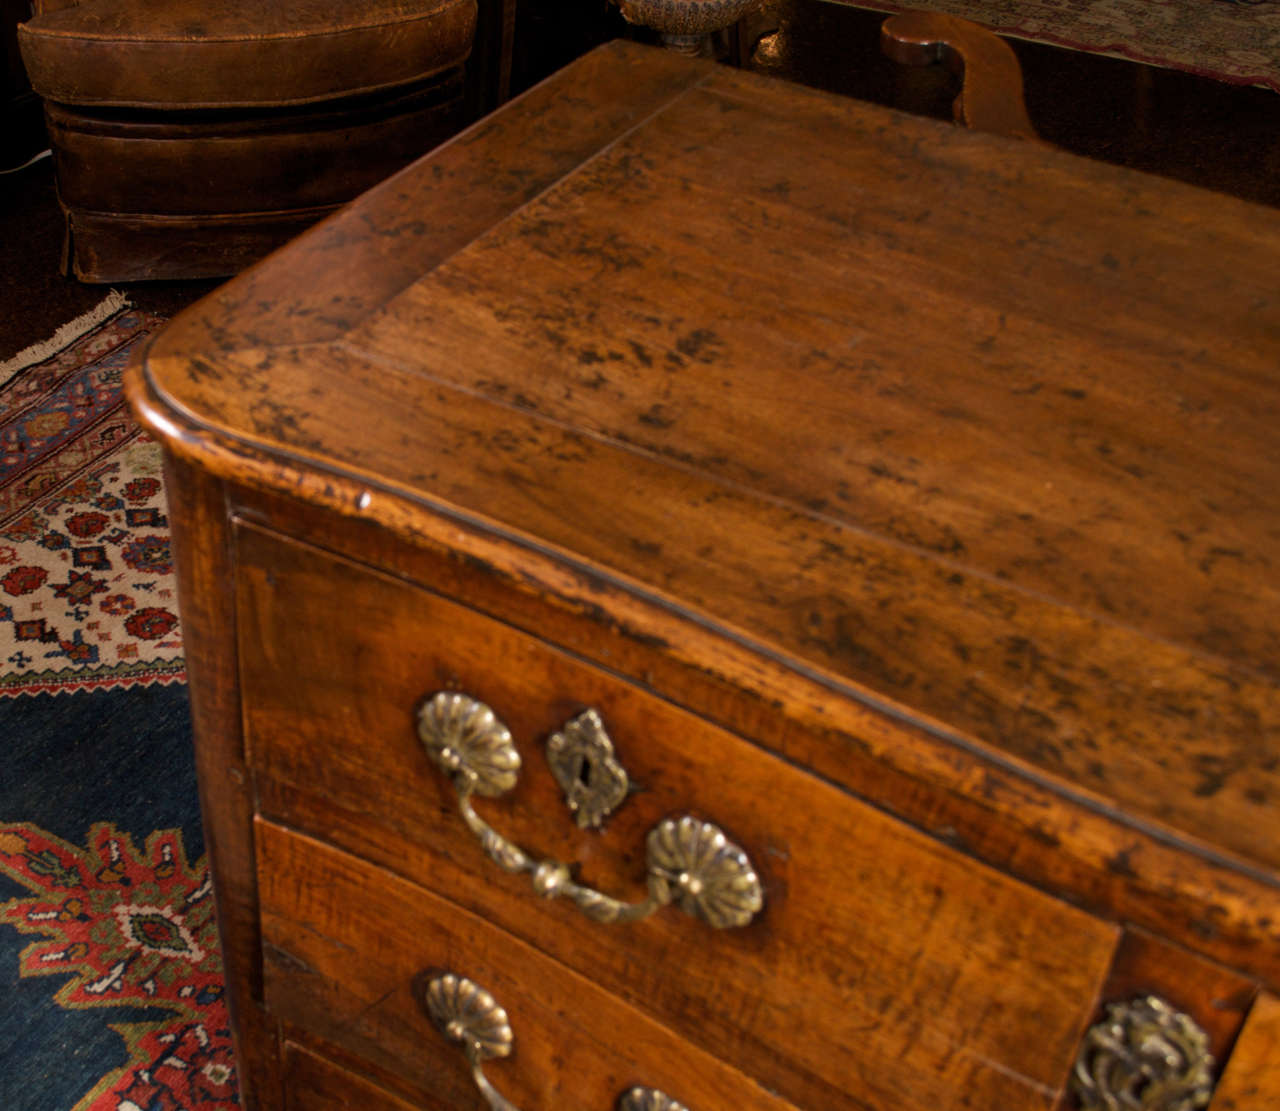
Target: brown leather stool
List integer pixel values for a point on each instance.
(190, 137)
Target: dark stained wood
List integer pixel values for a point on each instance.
(931, 943)
(905, 473)
(991, 98)
(488, 69)
(346, 941)
(1252, 1077)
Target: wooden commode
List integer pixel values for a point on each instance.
(705, 594)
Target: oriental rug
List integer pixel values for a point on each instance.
(87, 595)
(111, 989)
(1229, 40)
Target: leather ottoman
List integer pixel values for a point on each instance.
(190, 139)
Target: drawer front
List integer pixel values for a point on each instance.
(885, 970)
(1251, 1079)
(312, 1083)
(348, 947)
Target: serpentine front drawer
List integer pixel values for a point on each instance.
(881, 969)
(358, 957)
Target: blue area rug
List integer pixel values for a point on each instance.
(109, 970)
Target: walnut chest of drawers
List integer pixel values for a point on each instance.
(701, 593)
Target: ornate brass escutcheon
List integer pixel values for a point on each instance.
(1143, 1056)
(464, 1012)
(583, 762)
(689, 862)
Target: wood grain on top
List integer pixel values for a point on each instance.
(985, 429)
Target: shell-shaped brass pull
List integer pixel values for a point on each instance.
(465, 1013)
(1143, 1056)
(690, 862)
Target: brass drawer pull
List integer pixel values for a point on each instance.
(689, 862)
(464, 1012)
(1143, 1056)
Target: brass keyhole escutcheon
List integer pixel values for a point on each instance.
(585, 765)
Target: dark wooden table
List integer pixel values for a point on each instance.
(906, 500)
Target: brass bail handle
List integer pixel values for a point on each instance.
(465, 1013)
(689, 862)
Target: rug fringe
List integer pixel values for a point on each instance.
(64, 336)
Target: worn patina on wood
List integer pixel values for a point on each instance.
(941, 466)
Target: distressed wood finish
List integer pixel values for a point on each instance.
(924, 479)
(931, 945)
(984, 511)
(345, 941)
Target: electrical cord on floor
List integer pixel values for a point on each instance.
(29, 162)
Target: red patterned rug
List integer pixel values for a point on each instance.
(133, 929)
(87, 594)
(1237, 41)
(111, 991)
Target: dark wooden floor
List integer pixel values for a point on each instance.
(1218, 136)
